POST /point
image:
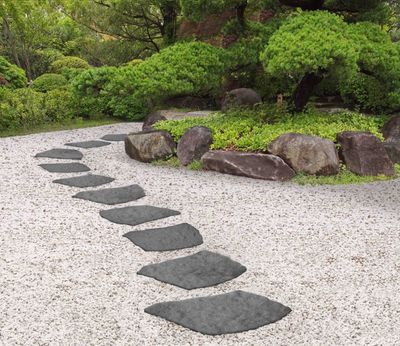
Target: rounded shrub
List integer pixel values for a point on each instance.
(42, 60)
(48, 82)
(89, 90)
(68, 62)
(194, 69)
(60, 105)
(11, 75)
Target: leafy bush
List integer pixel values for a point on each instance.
(13, 75)
(48, 82)
(26, 108)
(42, 60)
(68, 62)
(182, 69)
(89, 90)
(247, 130)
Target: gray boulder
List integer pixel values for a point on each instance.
(393, 149)
(307, 154)
(364, 154)
(391, 130)
(149, 145)
(240, 97)
(194, 143)
(151, 120)
(252, 165)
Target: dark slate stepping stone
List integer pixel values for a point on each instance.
(136, 215)
(89, 144)
(233, 312)
(114, 195)
(115, 138)
(203, 269)
(68, 154)
(167, 239)
(65, 167)
(85, 181)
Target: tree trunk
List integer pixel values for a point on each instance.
(9, 39)
(305, 89)
(240, 11)
(170, 14)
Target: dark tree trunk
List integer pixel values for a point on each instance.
(304, 4)
(240, 11)
(304, 90)
(170, 14)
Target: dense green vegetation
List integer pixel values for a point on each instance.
(248, 130)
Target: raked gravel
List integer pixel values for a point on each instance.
(68, 277)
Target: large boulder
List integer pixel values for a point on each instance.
(364, 154)
(392, 147)
(151, 120)
(194, 143)
(148, 146)
(307, 154)
(252, 165)
(391, 130)
(240, 97)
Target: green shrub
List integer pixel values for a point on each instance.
(48, 82)
(183, 69)
(368, 94)
(42, 60)
(68, 62)
(13, 75)
(248, 130)
(60, 105)
(89, 90)
(21, 108)
(26, 108)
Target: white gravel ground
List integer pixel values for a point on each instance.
(68, 277)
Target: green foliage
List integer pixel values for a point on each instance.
(172, 162)
(310, 42)
(345, 177)
(14, 75)
(48, 82)
(89, 90)
(195, 166)
(182, 69)
(42, 60)
(248, 130)
(26, 108)
(68, 62)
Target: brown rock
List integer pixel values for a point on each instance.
(194, 143)
(149, 145)
(252, 165)
(307, 154)
(391, 130)
(151, 120)
(240, 97)
(364, 154)
(393, 149)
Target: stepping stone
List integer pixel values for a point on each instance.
(68, 154)
(114, 195)
(166, 239)
(203, 269)
(136, 215)
(85, 181)
(65, 167)
(89, 144)
(233, 312)
(115, 138)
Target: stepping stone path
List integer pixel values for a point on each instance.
(222, 314)
(203, 269)
(115, 138)
(68, 154)
(137, 215)
(166, 239)
(89, 144)
(213, 315)
(113, 196)
(65, 167)
(90, 180)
